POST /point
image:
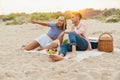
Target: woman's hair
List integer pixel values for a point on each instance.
(77, 13)
(65, 22)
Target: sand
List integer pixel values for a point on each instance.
(16, 64)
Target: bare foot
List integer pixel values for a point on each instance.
(89, 49)
(23, 45)
(72, 56)
(56, 57)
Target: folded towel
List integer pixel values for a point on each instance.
(85, 54)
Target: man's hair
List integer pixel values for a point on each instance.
(77, 13)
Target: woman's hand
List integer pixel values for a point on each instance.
(66, 31)
(40, 23)
(34, 22)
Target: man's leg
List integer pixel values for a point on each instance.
(63, 50)
(73, 43)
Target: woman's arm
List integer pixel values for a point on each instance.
(60, 37)
(40, 23)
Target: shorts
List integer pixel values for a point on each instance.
(44, 40)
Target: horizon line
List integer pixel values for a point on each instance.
(52, 11)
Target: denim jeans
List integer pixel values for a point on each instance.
(75, 39)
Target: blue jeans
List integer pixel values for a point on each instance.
(81, 44)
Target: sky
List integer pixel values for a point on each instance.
(29, 6)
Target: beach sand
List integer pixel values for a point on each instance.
(16, 64)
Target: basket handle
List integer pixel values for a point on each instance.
(107, 34)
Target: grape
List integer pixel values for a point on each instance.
(51, 51)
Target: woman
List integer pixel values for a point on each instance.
(77, 37)
(45, 41)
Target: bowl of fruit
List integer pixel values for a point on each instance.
(51, 51)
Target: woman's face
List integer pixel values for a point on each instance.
(60, 21)
(74, 18)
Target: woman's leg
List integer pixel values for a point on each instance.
(32, 45)
(52, 45)
(35, 44)
(39, 48)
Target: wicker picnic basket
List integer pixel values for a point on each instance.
(105, 42)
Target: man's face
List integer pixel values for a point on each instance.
(74, 18)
